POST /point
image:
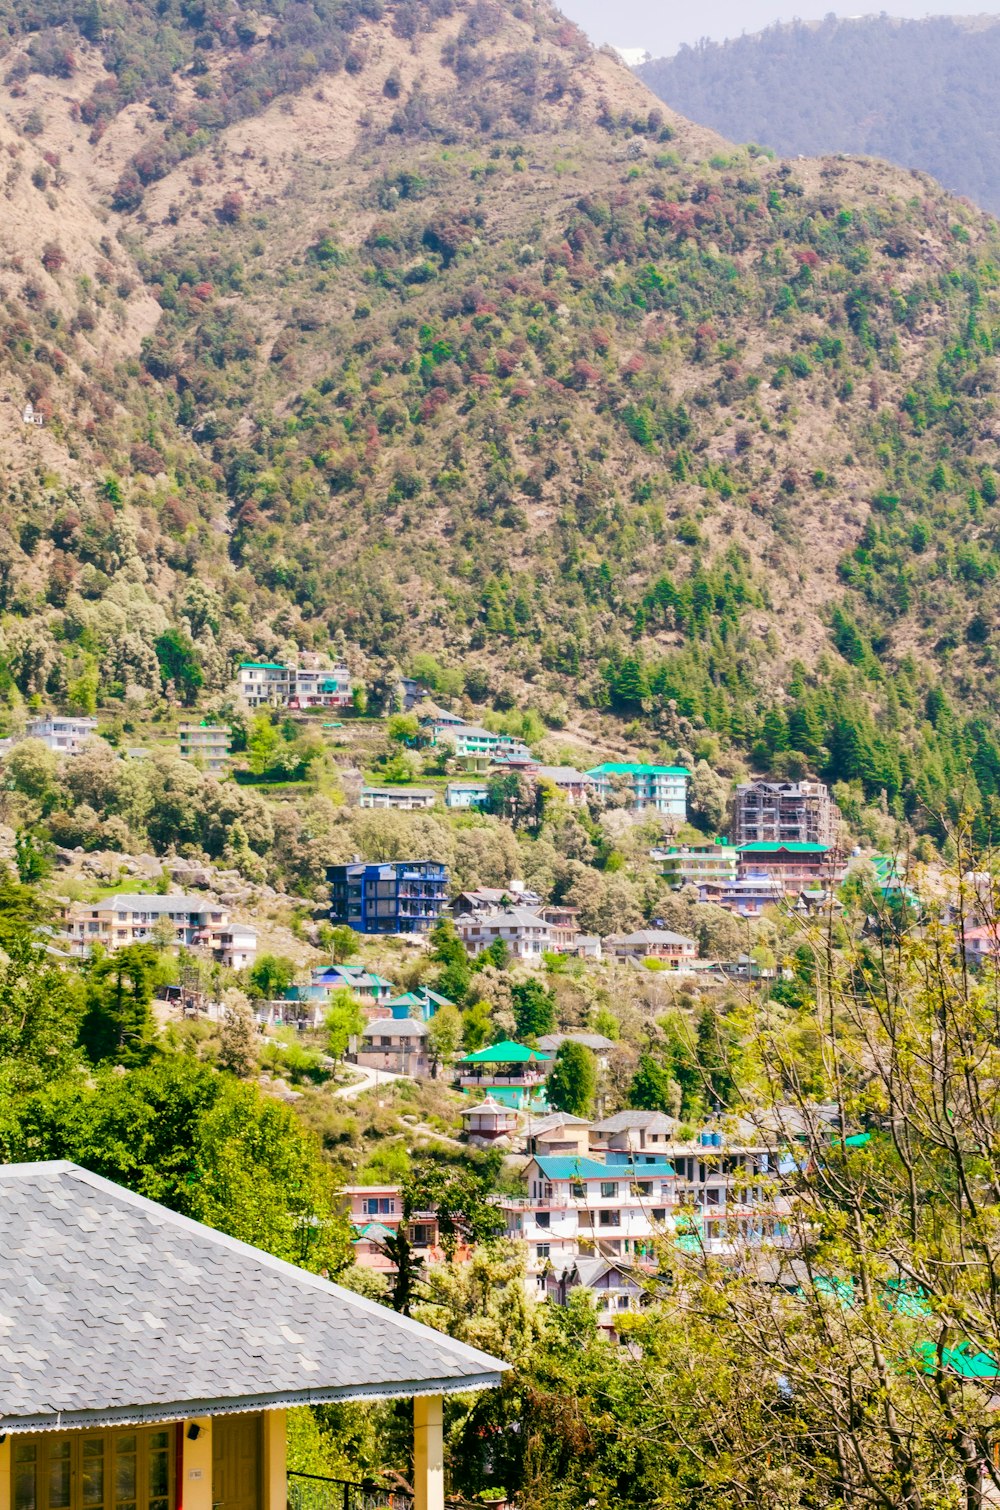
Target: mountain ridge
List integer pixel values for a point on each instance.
(915, 92)
(485, 358)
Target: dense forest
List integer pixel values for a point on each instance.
(916, 92)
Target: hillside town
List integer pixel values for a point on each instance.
(600, 1179)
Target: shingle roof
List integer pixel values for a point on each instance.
(651, 936)
(596, 1041)
(394, 1027)
(113, 1309)
(140, 901)
(648, 1121)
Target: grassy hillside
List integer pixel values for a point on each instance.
(445, 343)
(916, 92)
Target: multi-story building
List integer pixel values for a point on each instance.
(404, 799)
(660, 787)
(526, 935)
(779, 812)
(790, 865)
(205, 745)
(198, 923)
(747, 896)
(471, 740)
(281, 685)
(376, 1212)
(673, 949)
(639, 1182)
(579, 1206)
(395, 1044)
(393, 896)
(617, 1288)
(64, 735)
(564, 926)
(695, 864)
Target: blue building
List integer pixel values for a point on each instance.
(396, 896)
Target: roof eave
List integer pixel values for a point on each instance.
(184, 1410)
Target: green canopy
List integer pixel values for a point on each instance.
(505, 1053)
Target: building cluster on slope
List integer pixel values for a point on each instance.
(606, 1200)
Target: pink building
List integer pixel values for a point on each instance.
(375, 1212)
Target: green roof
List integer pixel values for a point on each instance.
(262, 666)
(961, 1360)
(505, 1053)
(794, 847)
(569, 1167)
(629, 768)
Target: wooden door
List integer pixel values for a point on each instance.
(236, 1463)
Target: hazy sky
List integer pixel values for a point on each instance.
(662, 27)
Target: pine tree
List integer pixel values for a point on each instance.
(238, 1039)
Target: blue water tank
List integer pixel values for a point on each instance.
(716, 1140)
(706, 1140)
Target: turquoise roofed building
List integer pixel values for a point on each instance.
(662, 788)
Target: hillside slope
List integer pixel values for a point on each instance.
(429, 333)
(919, 93)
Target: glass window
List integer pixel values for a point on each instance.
(25, 1482)
(609, 1188)
(108, 1470)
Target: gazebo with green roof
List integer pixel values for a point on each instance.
(504, 1064)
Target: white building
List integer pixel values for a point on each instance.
(67, 736)
(699, 864)
(526, 935)
(466, 794)
(471, 740)
(404, 799)
(199, 923)
(579, 1206)
(660, 787)
(279, 685)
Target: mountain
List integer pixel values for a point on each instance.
(919, 93)
(425, 332)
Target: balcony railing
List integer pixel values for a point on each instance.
(313, 1491)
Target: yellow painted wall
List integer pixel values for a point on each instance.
(275, 1485)
(195, 1488)
(5, 1474)
(428, 1452)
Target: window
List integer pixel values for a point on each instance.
(542, 1250)
(642, 1187)
(609, 1219)
(578, 1190)
(609, 1188)
(659, 1213)
(105, 1470)
(543, 1218)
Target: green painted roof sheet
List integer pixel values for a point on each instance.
(262, 666)
(630, 768)
(505, 1053)
(793, 846)
(568, 1167)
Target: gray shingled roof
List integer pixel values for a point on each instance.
(113, 1309)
